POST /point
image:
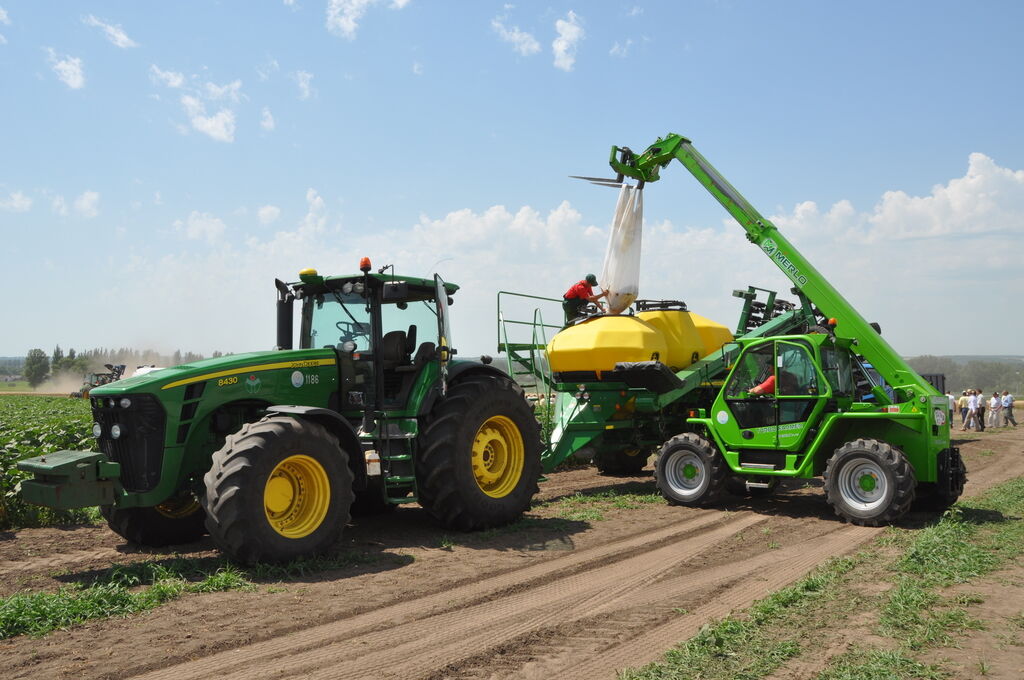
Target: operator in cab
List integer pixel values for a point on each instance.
(578, 295)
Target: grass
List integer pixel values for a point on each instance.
(969, 541)
(124, 590)
(745, 647)
(590, 507)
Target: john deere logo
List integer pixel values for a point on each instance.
(253, 384)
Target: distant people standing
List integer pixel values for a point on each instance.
(952, 405)
(578, 295)
(981, 410)
(962, 403)
(995, 410)
(1007, 402)
(972, 411)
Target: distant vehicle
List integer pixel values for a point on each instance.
(91, 380)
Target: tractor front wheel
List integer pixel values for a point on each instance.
(690, 471)
(178, 520)
(869, 482)
(479, 455)
(278, 489)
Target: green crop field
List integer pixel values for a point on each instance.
(32, 426)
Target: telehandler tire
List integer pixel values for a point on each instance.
(621, 461)
(278, 489)
(479, 458)
(171, 523)
(869, 482)
(689, 470)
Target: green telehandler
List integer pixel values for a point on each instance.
(270, 452)
(779, 401)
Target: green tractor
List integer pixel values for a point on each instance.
(270, 452)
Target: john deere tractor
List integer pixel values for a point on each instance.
(270, 452)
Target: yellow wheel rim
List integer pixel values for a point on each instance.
(177, 508)
(498, 456)
(296, 496)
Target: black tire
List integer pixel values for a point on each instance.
(489, 415)
(737, 486)
(278, 489)
(621, 461)
(689, 470)
(869, 482)
(172, 523)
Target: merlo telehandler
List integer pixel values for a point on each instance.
(737, 414)
(269, 452)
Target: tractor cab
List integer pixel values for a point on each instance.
(390, 334)
(778, 389)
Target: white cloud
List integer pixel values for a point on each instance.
(304, 80)
(957, 252)
(157, 198)
(3, 40)
(16, 202)
(231, 91)
(201, 227)
(620, 50)
(266, 70)
(570, 33)
(635, 11)
(289, 3)
(522, 42)
(59, 206)
(267, 120)
(169, 78)
(4, 19)
(68, 69)
(220, 126)
(87, 204)
(417, 68)
(343, 16)
(115, 34)
(268, 214)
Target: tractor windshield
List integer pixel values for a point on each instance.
(338, 319)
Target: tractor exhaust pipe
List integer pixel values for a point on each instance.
(285, 316)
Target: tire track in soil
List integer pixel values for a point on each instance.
(61, 561)
(411, 638)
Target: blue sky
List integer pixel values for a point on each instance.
(161, 163)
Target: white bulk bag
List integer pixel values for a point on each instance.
(620, 275)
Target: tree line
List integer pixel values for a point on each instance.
(38, 366)
(987, 376)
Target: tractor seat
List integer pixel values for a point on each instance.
(394, 350)
(424, 354)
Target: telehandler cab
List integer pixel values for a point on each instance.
(269, 452)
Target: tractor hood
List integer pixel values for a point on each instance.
(226, 368)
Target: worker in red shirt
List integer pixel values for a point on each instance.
(578, 296)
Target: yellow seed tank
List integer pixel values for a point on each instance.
(676, 338)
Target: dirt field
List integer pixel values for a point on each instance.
(555, 598)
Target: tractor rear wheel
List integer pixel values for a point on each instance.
(178, 520)
(621, 461)
(479, 457)
(690, 471)
(869, 482)
(278, 489)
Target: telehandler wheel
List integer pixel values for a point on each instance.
(278, 489)
(690, 471)
(178, 520)
(950, 485)
(869, 482)
(479, 454)
(621, 461)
